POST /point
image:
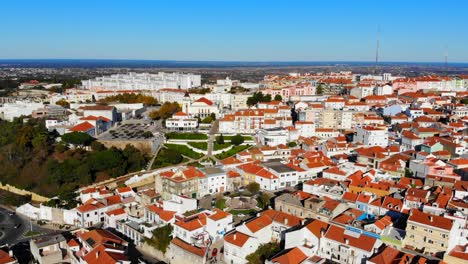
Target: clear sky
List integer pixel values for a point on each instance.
(238, 30)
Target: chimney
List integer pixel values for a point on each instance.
(235, 236)
(10, 253)
(431, 218)
(97, 254)
(286, 221)
(346, 241)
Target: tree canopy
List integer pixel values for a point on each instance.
(161, 238)
(130, 98)
(320, 89)
(253, 187)
(31, 159)
(220, 139)
(237, 140)
(258, 97)
(77, 138)
(263, 252)
(165, 111)
(63, 103)
(278, 97)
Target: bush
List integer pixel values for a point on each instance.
(194, 136)
(220, 139)
(147, 134)
(263, 252)
(237, 140)
(292, 144)
(207, 120)
(253, 187)
(161, 238)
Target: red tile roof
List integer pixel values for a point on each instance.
(185, 246)
(293, 256)
(204, 100)
(82, 127)
(338, 234)
(430, 220)
(236, 238)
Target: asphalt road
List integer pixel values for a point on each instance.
(13, 227)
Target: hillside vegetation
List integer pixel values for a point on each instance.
(32, 159)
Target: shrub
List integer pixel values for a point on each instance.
(237, 140)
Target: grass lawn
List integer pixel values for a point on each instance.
(162, 164)
(234, 150)
(31, 233)
(199, 145)
(174, 135)
(243, 211)
(196, 164)
(217, 146)
(184, 150)
(229, 138)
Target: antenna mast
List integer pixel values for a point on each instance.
(377, 49)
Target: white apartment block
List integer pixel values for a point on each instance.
(9, 111)
(143, 81)
(371, 136)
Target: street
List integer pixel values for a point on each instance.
(13, 227)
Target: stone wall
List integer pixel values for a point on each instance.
(34, 196)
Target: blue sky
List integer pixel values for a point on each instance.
(241, 30)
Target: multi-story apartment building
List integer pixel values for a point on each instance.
(345, 246)
(143, 81)
(190, 182)
(427, 232)
(249, 121)
(371, 136)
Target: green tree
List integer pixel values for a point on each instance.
(258, 97)
(165, 111)
(278, 97)
(263, 200)
(207, 120)
(97, 146)
(77, 138)
(147, 134)
(213, 116)
(130, 98)
(408, 173)
(136, 160)
(253, 187)
(161, 238)
(220, 139)
(320, 89)
(63, 103)
(237, 140)
(263, 252)
(464, 101)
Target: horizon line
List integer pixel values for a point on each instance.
(231, 61)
